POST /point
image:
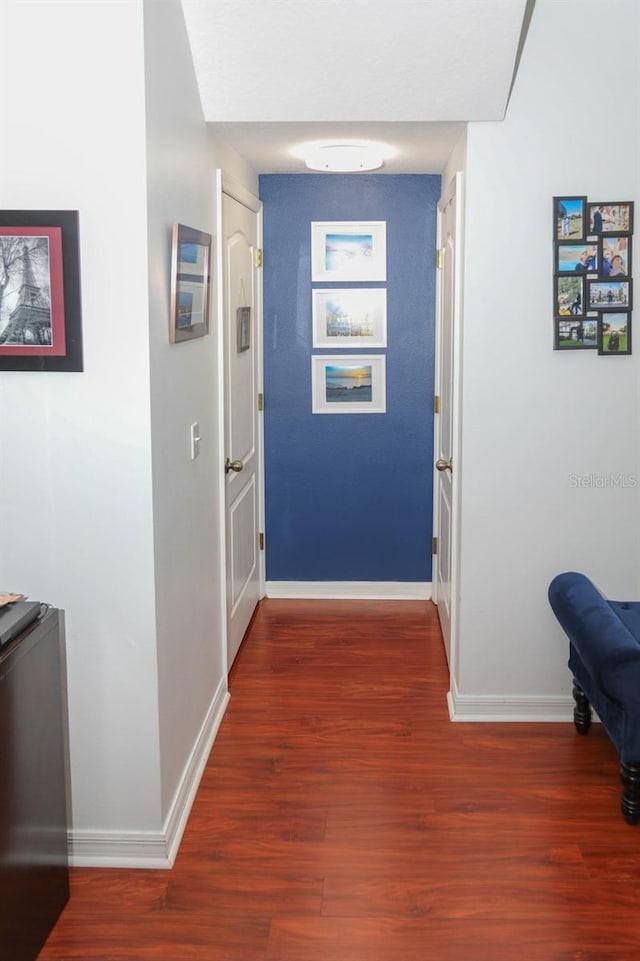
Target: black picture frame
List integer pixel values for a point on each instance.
(569, 218)
(610, 296)
(573, 332)
(577, 257)
(569, 295)
(620, 324)
(616, 217)
(610, 247)
(41, 317)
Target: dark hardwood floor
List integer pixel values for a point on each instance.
(342, 817)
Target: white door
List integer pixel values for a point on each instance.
(242, 428)
(446, 477)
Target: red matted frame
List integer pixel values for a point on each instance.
(40, 305)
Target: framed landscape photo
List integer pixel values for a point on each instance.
(614, 334)
(569, 295)
(610, 218)
(349, 250)
(350, 317)
(574, 258)
(348, 384)
(40, 304)
(608, 295)
(190, 281)
(569, 215)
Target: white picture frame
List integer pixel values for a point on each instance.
(335, 376)
(349, 250)
(349, 317)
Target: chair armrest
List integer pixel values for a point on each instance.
(606, 647)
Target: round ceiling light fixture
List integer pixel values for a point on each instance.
(344, 156)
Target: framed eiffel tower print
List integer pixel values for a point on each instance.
(40, 307)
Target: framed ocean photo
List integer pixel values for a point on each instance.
(348, 384)
(349, 250)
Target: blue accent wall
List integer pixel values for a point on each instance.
(349, 496)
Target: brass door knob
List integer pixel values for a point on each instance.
(443, 465)
(234, 465)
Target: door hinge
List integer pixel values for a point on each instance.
(434, 545)
(439, 258)
(436, 404)
(260, 401)
(258, 257)
(261, 541)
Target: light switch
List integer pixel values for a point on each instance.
(195, 440)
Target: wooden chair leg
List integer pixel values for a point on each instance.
(582, 710)
(630, 800)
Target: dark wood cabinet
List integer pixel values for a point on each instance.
(34, 879)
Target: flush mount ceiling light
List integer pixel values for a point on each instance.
(343, 156)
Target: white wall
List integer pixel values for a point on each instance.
(102, 512)
(457, 161)
(75, 501)
(190, 607)
(533, 417)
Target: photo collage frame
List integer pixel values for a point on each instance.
(592, 281)
(352, 316)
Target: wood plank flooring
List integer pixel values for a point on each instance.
(343, 817)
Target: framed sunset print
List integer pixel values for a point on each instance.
(348, 384)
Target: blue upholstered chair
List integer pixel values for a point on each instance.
(604, 658)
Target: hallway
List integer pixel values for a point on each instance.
(342, 817)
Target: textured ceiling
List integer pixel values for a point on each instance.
(274, 72)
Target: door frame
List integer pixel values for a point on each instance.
(227, 185)
(455, 186)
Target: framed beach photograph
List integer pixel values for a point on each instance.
(40, 304)
(577, 258)
(348, 384)
(615, 256)
(569, 295)
(610, 218)
(607, 295)
(350, 317)
(576, 333)
(614, 334)
(569, 218)
(190, 281)
(349, 250)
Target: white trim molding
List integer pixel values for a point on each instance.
(492, 707)
(350, 590)
(148, 849)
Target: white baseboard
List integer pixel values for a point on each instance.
(464, 707)
(186, 792)
(350, 590)
(118, 850)
(148, 849)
